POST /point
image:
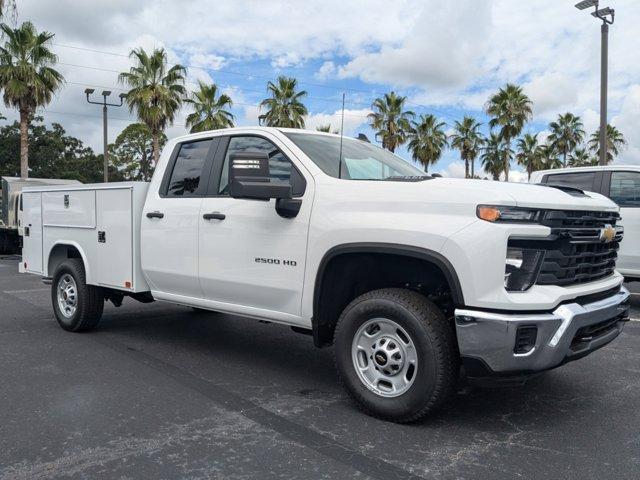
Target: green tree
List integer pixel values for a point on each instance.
(427, 140)
(132, 152)
(284, 107)
(615, 143)
(548, 156)
(52, 154)
(510, 109)
(468, 140)
(493, 155)
(527, 155)
(156, 91)
(390, 120)
(566, 134)
(210, 109)
(580, 157)
(27, 77)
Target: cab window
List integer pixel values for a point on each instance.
(188, 166)
(280, 167)
(581, 180)
(625, 188)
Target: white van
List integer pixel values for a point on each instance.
(621, 183)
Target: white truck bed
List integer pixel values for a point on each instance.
(102, 221)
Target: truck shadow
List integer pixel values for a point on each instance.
(251, 352)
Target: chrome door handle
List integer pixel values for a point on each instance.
(214, 216)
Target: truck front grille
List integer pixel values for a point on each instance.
(574, 252)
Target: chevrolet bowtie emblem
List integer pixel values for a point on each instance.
(607, 234)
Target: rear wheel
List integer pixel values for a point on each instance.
(76, 305)
(396, 354)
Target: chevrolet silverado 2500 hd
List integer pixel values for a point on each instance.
(411, 278)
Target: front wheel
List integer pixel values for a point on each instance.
(396, 354)
(76, 305)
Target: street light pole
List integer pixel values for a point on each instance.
(105, 144)
(604, 57)
(607, 15)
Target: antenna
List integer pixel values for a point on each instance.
(341, 135)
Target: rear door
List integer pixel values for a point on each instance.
(32, 240)
(170, 221)
(624, 189)
(252, 259)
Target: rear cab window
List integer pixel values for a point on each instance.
(188, 169)
(625, 188)
(581, 180)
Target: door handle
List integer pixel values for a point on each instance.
(214, 216)
(155, 215)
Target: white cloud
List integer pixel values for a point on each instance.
(326, 70)
(551, 93)
(352, 120)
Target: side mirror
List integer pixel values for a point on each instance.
(249, 178)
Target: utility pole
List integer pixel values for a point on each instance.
(105, 143)
(607, 15)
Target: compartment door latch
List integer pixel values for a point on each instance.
(102, 237)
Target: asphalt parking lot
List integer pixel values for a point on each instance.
(160, 391)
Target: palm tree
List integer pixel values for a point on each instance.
(510, 109)
(528, 154)
(493, 155)
(615, 143)
(468, 140)
(156, 91)
(548, 157)
(566, 134)
(390, 120)
(27, 77)
(581, 157)
(8, 6)
(210, 113)
(427, 139)
(284, 107)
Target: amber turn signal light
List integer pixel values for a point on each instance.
(490, 214)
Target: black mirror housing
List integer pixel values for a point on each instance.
(249, 178)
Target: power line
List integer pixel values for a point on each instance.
(248, 75)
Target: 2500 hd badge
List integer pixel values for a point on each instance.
(276, 261)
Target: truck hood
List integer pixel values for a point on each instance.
(524, 194)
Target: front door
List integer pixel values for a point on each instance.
(251, 259)
(170, 221)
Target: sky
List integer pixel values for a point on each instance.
(446, 57)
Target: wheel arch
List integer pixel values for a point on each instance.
(63, 250)
(323, 328)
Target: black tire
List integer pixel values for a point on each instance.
(89, 303)
(435, 347)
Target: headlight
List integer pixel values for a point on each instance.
(521, 268)
(508, 214)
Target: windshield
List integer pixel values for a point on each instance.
(360, 160)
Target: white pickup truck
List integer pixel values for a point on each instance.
(413, 279)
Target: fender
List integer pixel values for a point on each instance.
(69, 243)
(430, 256)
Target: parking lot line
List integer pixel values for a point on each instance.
(29, 290)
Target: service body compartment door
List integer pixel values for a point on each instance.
(32, 240)
(114, 234)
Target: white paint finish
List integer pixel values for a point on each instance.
(114, 259)
(211, 264)
(32, 245)
(80, 212)
(169, 245)
(629, 254)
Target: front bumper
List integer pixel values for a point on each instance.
(487, 340)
